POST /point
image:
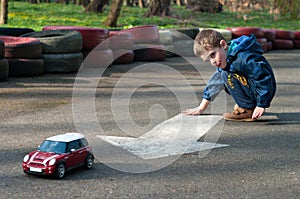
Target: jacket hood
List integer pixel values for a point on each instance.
(243, 44)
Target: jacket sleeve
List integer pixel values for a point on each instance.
(261, 79)
(214, 86)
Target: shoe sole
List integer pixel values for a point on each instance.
(240, 120)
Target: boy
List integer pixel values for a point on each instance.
(246, 74)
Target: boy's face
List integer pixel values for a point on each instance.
(217, 56)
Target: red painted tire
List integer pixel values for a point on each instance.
(98, 58)
(270, 35)
(283, 44)
(24, 48)
(239, 31)
(284, 34)
(123, 56)
(297, 35)
(91, 37)
(2, 49)
(120, 40)
(149, 52)
(263, 43)
(296, 43)
(4, 68)
(25, 67)
(144, 34)
(269, 46)
(58, 41)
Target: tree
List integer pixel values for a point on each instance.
(113, 15)
(4, 12)
(158, 8)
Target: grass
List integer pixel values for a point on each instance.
(36, 16)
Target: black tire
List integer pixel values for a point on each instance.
(25, 67)
(123, 56)
(62, 63)
(89, 161)
(2, 49)
(60, 171)
(16, 32)
(58, 41)
(4, 68)
(149, 52)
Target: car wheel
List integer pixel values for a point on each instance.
(89, 161)
(60, 171)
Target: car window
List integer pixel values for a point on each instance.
(53, 146)
(84, 142)
(74, 145)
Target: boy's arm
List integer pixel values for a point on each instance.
(198, 110)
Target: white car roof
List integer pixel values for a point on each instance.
(67, 137)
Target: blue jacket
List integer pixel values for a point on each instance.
(245, 58)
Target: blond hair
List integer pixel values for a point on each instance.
(207, 40)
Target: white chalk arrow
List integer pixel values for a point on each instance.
(174, 136)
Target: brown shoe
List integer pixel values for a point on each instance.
(239, 114)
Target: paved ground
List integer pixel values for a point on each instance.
(262, 160)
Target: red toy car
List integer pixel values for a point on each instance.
(58, 154)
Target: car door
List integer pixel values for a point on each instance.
(74, 154)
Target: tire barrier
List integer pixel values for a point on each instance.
(99, 58)
(58, 41)
(269, 34)
(123, 56)
(165, 37)
(284, 34)
(149, 52)
(239, 31)
(24, 56)
(296, 43)
(25, 67)
(4, 68)
(62, 63)
(24, 48)
(297, 35)
(283, 44)
(91, 37)
(148, 34)
(263, 42)
(16, 32)
(2, 49)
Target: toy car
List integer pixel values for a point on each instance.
(58, 154)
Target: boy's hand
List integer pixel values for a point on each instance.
(194, 111)
(258, 111)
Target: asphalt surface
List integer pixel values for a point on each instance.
(262, 161)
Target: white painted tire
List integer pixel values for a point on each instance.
(165, 37)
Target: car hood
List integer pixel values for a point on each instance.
(38, 156)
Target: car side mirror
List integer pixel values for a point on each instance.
(72, 150)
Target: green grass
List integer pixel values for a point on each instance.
(36, 16)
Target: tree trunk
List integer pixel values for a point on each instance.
(158, 8)
(96, 6)
(113, 15)
(142, 4)
(4, 12)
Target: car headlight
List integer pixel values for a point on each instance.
(26, 158)
(52, 162)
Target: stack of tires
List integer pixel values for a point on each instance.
(122, 45)
(3, 63)
(297, 39)
(61, 50)
(24, 56)
(95, 43)
(258, 32)
(147, 45)
(284, 40)
(166, 39)
(270, 35)
(183, 41)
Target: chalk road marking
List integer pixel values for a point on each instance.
(169, 138)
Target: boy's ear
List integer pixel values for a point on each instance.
(224, 44)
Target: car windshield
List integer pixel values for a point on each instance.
(53, 146)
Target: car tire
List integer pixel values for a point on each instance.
(149, 52)
(2, 49)
(21, 47)
(60, 171)
(123, 56)
(91, 37)
(4, 69)
(58, 41)
(120, 40)
(284, 34)
(62, 63)
(283, 44)
(89, 161)
(239, 31)
(296, 44)
(16, 32)
(144, 34)
(25, 67)
(270, 35)
(297, 35)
